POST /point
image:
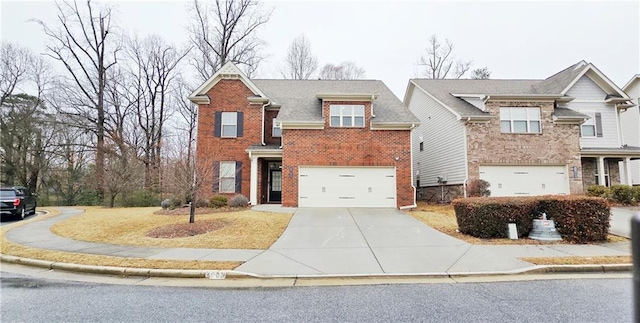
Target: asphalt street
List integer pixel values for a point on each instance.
(26, 299)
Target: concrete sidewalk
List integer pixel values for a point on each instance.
(337, 242)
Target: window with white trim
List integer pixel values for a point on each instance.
(591, 128)
(588, 128)
(229, 124)
(276, 131)
(520, 120)
(227, 176)
(346, 116)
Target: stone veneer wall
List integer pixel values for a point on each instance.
(558, 144)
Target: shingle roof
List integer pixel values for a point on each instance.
(299, 102)
(443, 90)
(568, 113)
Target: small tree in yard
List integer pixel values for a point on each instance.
(478, 188)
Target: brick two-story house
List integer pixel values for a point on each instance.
(307, 143)
(525, 137)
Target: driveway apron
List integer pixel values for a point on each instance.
(366, 241)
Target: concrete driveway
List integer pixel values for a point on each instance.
(366, 241)
(621, 220)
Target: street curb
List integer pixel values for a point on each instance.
(232, 274)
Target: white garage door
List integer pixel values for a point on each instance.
(347, 187)
(525, 180)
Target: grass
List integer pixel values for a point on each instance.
(14, 249)
(247, 229)
(443, 219)
(128, 226)
(602, 260)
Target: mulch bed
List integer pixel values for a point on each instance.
(181, 230)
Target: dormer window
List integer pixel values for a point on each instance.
(346, 116)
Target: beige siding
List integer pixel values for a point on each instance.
(589, 99)
(444, 142)
(586, 89)
(630, 123)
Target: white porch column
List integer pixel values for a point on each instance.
(253, 191)
(601, 181)
(627, 170)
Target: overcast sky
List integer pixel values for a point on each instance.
(514, 39)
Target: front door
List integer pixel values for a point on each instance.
(275, 185)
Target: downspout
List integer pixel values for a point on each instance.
(264, 107)
(620, 130)
(415, 204)
(466, 159)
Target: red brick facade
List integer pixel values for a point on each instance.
(226, 96)
(326, 147)
(346, 147)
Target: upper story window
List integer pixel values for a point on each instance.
(520, 120)
(592, 128)
(346, 115)
(276, 131)
(229, 124)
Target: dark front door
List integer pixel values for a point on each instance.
(275, 185)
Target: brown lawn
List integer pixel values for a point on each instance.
(244, 229)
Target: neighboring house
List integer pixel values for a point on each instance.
(304, 143)
(630, 122)
(525, 137)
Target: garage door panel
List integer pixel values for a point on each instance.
(525, 180)
(347, 186)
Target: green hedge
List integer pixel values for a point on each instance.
(577, 218)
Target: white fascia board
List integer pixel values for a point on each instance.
(393, 126)
(525, 97)
(199, 99)
(228, 71)
(347, 96)
(301, 124)
(458, 116)
(631, 81)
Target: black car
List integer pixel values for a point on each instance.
(17, 202)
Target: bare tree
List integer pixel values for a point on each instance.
(82, 42)
(345, 71)
(15, 63)
(439, 61)
(226, 31)
(300, 63)
(25, 131)
(481, 73)
(155, 66)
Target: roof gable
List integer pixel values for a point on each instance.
(228, 71)
(634, 80)
(599, 79)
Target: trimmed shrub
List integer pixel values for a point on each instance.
(598, 191)
(622, 194)
(239, 201)
(636, 194)
(577, 218)
(166, 204)
(202, 203)
(217, 201)
(488, 217)
(478, 187)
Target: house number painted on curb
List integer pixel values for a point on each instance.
(215, 274)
